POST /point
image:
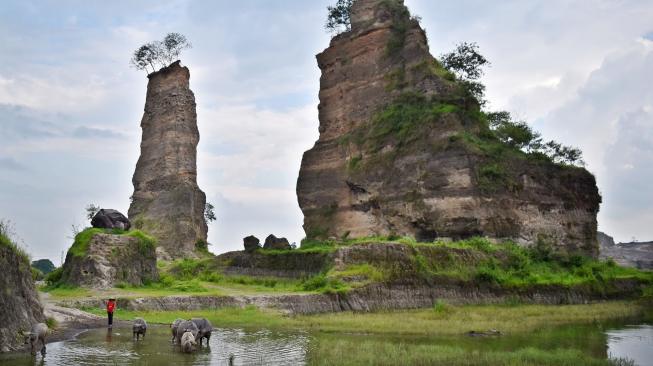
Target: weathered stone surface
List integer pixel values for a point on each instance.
(634, 254)
(272, 242)
(110, 219)
(167, 202)
(19, 302)
(110, 260)
(251, 243)
(428, 180)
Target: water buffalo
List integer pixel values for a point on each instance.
(187, 342)
(173, 328)
(205, 329)
(36, 338)
(183, 327)
(139, 328)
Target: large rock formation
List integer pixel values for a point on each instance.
(633, 254)
(167, 202)
(101, 260)
(405, 150)
(19, 302)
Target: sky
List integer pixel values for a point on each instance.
(578, 71)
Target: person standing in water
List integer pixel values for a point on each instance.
(111, 306)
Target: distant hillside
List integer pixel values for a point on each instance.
(44, 265)
(633, 254)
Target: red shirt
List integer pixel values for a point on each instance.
(110, 306)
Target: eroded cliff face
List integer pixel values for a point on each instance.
(19, 302)
(405, 150)
(167, 202)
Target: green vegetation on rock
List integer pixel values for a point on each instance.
(83, 240)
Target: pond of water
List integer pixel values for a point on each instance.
(266, 347)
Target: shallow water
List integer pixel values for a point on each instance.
(265, 347)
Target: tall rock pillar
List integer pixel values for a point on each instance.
(167, 202)
(404, 149)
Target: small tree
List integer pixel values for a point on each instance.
(339, 16)
(91, 210)
(159, 53)
(209, 214)
(467, 64)
(172, 45)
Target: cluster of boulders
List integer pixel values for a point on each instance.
(252, 243)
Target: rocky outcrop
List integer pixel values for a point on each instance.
(251, 243)
(634, 254)
(19, 302)
(110, 219)
(108, 260)
(405, 150)
(272, 242)
(167, 202)
(290, 264)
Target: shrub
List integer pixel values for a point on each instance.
(53, 278)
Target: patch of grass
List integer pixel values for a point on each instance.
(51, 322)
(83, 239)
(361, 274)
(324, 284)
(66, 292)
(373, 351)
(424, 322)
(6, 242)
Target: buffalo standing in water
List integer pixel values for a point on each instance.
(173, 329)
(205, 328)
(36, 338)
(187, 342)
(139, 328)
(183, 327)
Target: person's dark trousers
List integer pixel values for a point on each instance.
(110, 315)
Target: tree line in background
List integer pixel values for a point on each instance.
(467, 64)
(159, 54)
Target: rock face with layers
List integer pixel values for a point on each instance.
(167, 202)
(634, 254)
(405, 150)
(110, 260)
(19, 302)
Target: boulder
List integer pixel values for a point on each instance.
(272, 242)
(110, 219)
(251, 243)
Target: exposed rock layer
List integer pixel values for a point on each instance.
(431, 178)
(19, 302)
(167, 202)
(634, 254)
(111, 260)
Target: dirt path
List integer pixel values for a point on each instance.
(71, 322)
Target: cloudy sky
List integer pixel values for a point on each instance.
(579, 71)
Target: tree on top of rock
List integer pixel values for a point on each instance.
(339, 16)
(159, 54)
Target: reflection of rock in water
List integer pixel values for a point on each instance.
(634, 254)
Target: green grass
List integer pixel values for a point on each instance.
(342, 351)
(83, 240)
(6, 242)
(503, 264)
(453, 320)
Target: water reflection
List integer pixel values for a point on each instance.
(633, 342)
(265, 347)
